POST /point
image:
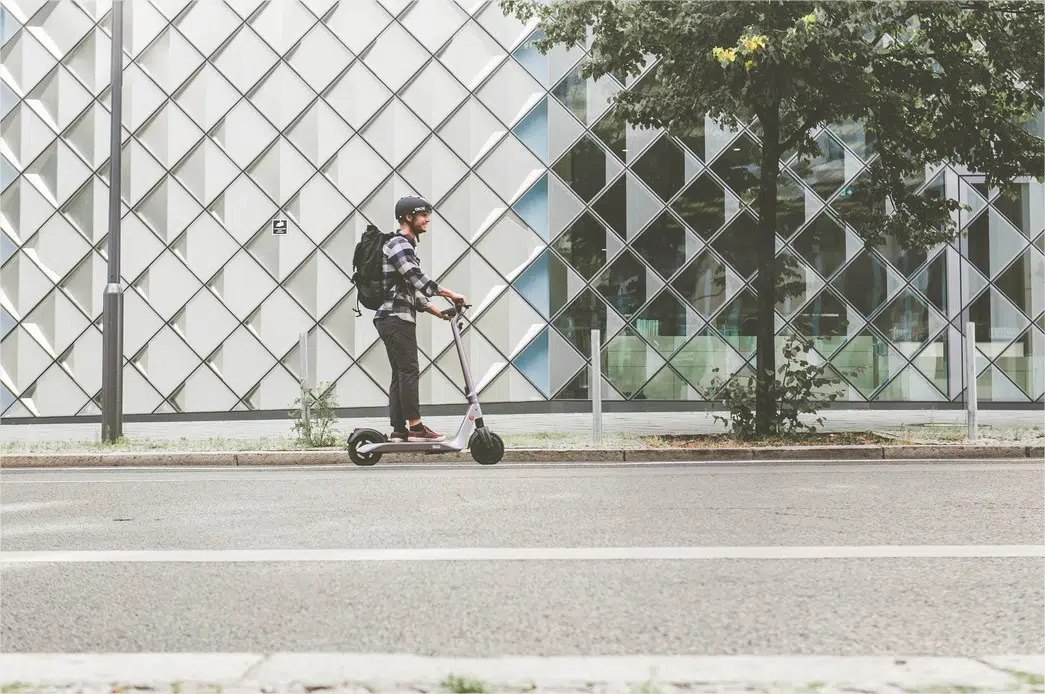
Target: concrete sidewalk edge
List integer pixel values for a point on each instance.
(911, 674)
(523, 455)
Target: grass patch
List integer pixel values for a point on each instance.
(844, 438)
(461, 685)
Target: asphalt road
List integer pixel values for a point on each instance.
(55, 598)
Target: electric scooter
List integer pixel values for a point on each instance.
(366, 446)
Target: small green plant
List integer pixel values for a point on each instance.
(797, 390)
(461, 685)
(315, 423)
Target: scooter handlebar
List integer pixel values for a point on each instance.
(454, 310)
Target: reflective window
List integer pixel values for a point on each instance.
(583, 168)
(997, 321)
(662, 167)
(1022, 204)
(703, 206)
(699, 357)
(824, 173)
(586, 312)
(1023, 362)
(908, 322)
(868, 361)
(932, 282)
(740, 167)
(738, 322)
(586, 245)
(822, 245)
(626, 284)
(737, 244)
(1023, 282)
(665, 245)
(864, 283)
(795, 282)
(665, 323)
(707, 284)
(826, 320)
(611, 129)
(628, 362)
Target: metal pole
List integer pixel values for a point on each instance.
(305, 404)
(595, 385)
(112, 295)
(970, 377)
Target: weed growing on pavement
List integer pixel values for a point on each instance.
(799, 389)
(317, 428)
(461, 685)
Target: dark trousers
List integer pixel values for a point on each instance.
(400, 338)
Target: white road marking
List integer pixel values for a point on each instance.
(13, 558)
(570, 673)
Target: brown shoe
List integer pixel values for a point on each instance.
(422, 434)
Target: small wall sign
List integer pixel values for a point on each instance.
(279, 227)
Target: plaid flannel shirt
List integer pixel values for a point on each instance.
(407, 288)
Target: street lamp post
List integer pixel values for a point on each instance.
(112, 295)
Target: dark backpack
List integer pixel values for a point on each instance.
(368, 263)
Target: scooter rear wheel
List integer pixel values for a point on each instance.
(486, 447)
(362, 438)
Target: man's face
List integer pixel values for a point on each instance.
(419, 223)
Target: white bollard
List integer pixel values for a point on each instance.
(970, 377)
(595, 385)
(303, 349)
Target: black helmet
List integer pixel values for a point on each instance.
(411, 204)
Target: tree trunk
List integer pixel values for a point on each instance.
(765, 284)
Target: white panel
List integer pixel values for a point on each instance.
(357, 170)
(395, 132)
(23, 360)
(357, 95)
(207, 96)
(167, 285)
(356, 389)
(319, 58)
(204, 392)
(242, 361)
(84, 360)
(432, 22)
(242, 284)
(170, 60)
(434, 93)
(357, 23)
(510, 246)
(511, 92)
(471, 55)
(204, 323)
(57, 248)
(243, 209)
(511, 169)
(395, 57)
(244, 133)
(56, 395)
(208, 24)
(320, 207)
(282, 24)
(278, 322)
(277, 390)
(281, 96)
(245, 59)
(167, 361)
(319, 132)
(139, 397)
(140, 323)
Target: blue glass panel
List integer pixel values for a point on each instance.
(7, 248)
(532, 207)
(533, 362)
(533, 130)
(6, 398)
(531, 59)
(8, 173)
(7, 322)
(8, 99)
(535, 286)
(9, 26)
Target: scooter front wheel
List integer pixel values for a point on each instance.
(361, 438)
(486, 447)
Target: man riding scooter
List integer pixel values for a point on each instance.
(407, 290)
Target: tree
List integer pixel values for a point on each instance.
(938, 81)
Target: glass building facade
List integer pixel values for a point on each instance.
(552, 215)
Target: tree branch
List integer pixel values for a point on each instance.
(792, 141)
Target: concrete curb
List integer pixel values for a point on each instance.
(525, 455)
(388, 672)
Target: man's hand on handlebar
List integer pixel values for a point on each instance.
(435, 311)
(453, 296)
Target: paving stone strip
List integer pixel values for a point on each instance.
(186, 673)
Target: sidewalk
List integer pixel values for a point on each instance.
(633, 424)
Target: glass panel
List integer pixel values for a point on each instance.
(545, 284)
(993, 243)
(693, 137)
(825, 173)
(586, 312)
(868, 361)
(1023, 282)
(737, 244)
(665, 245)
(997, 321)
(584, 168)
(906, 260)
(662, 167)
(932, 362)
(703, 206)
(854, 205)
(667, 385)
(908, 322)
(707, 284)
(864, 283)
(1021, 204)
(796, 282)
(822, 245)
(587, 245)
(627, 206)
(628, 362)
(790, 205)
(666, 323)
(612, 130)
(626, 284)
(698, 359)
(740, 168)
(572, 92)
(1024, 362)
(932, 282)
(859, 139)
(738, 322)
(827, 321)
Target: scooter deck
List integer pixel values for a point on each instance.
(410, 447)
